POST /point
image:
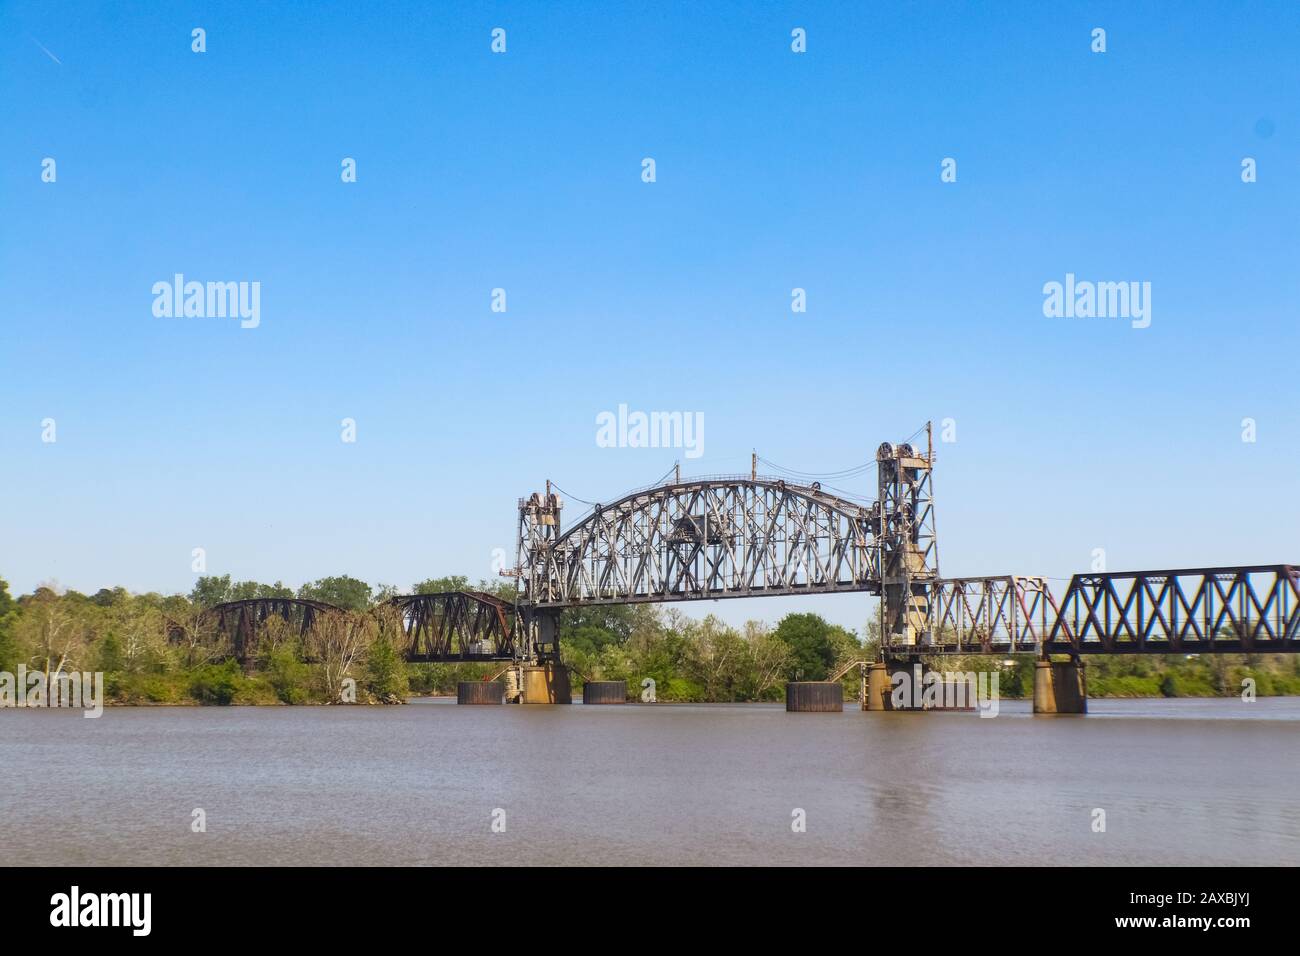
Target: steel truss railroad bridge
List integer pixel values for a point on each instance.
(739, 536)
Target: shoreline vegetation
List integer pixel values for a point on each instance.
(157, 650)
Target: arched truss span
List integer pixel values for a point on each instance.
(703, 540)
(239, 620)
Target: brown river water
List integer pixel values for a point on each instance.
(1180, 781)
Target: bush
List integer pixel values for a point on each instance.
(255, 689)
(215, 683)
(159, 690)
(385, 671)
(288, 677)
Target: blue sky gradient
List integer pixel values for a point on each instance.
(523, 171)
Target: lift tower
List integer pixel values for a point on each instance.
(907, 549)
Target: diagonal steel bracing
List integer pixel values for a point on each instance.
(1248, 609)
(698, 540)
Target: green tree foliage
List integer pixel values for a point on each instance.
(385, 670)
(503, 588)
(288, 676)
(342, 591)
(589, 630)
(107, 597)
(10, 656)
(215, 683)
(816, 646)
(453, 582)
(211, 590)
(247, 590)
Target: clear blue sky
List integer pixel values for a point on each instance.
(523, 171)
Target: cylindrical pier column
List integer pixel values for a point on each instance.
(814, 696)
(877, 686)
(1060, 688)
(545, 684)
(604, 692)
(480, 692)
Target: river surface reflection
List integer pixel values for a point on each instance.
(1181, 781)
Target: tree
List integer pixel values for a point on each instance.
(247, 590)
(211, 590)
(384, 593)
(141, 630)
(107, 597)
(454, 582)
(55, 632)
(342, 591)
(814, 645)
(718, 658)
(9, 654)
(592, 629)
(385, 670)
(769, 657)
(337, 640)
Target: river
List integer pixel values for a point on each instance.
(1180, 781)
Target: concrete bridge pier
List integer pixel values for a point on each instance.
(877, 692)
(1060, 687)
(546, 682)
(881, 680)
(909, 684)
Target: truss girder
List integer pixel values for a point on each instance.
(456, 626)
(1252, 609)
(240, 620)
(996, 614)
(705, 540)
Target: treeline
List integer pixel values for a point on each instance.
(162, 649)
(693, 660)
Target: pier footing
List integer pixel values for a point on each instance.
(604, 692)
(814, 696)
(1060, 688)
(480, 692)
(877, 692)
(544, 684)
(909, 685)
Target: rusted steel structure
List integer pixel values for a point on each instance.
(450, 626)
(989, 615)
(480, 692)
(702, 539)
(816, 697)
(750, 536)
(604, 692)
(736, 536)
(907, 543)
(1248, 609)
(240, 620)
(457, 626)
